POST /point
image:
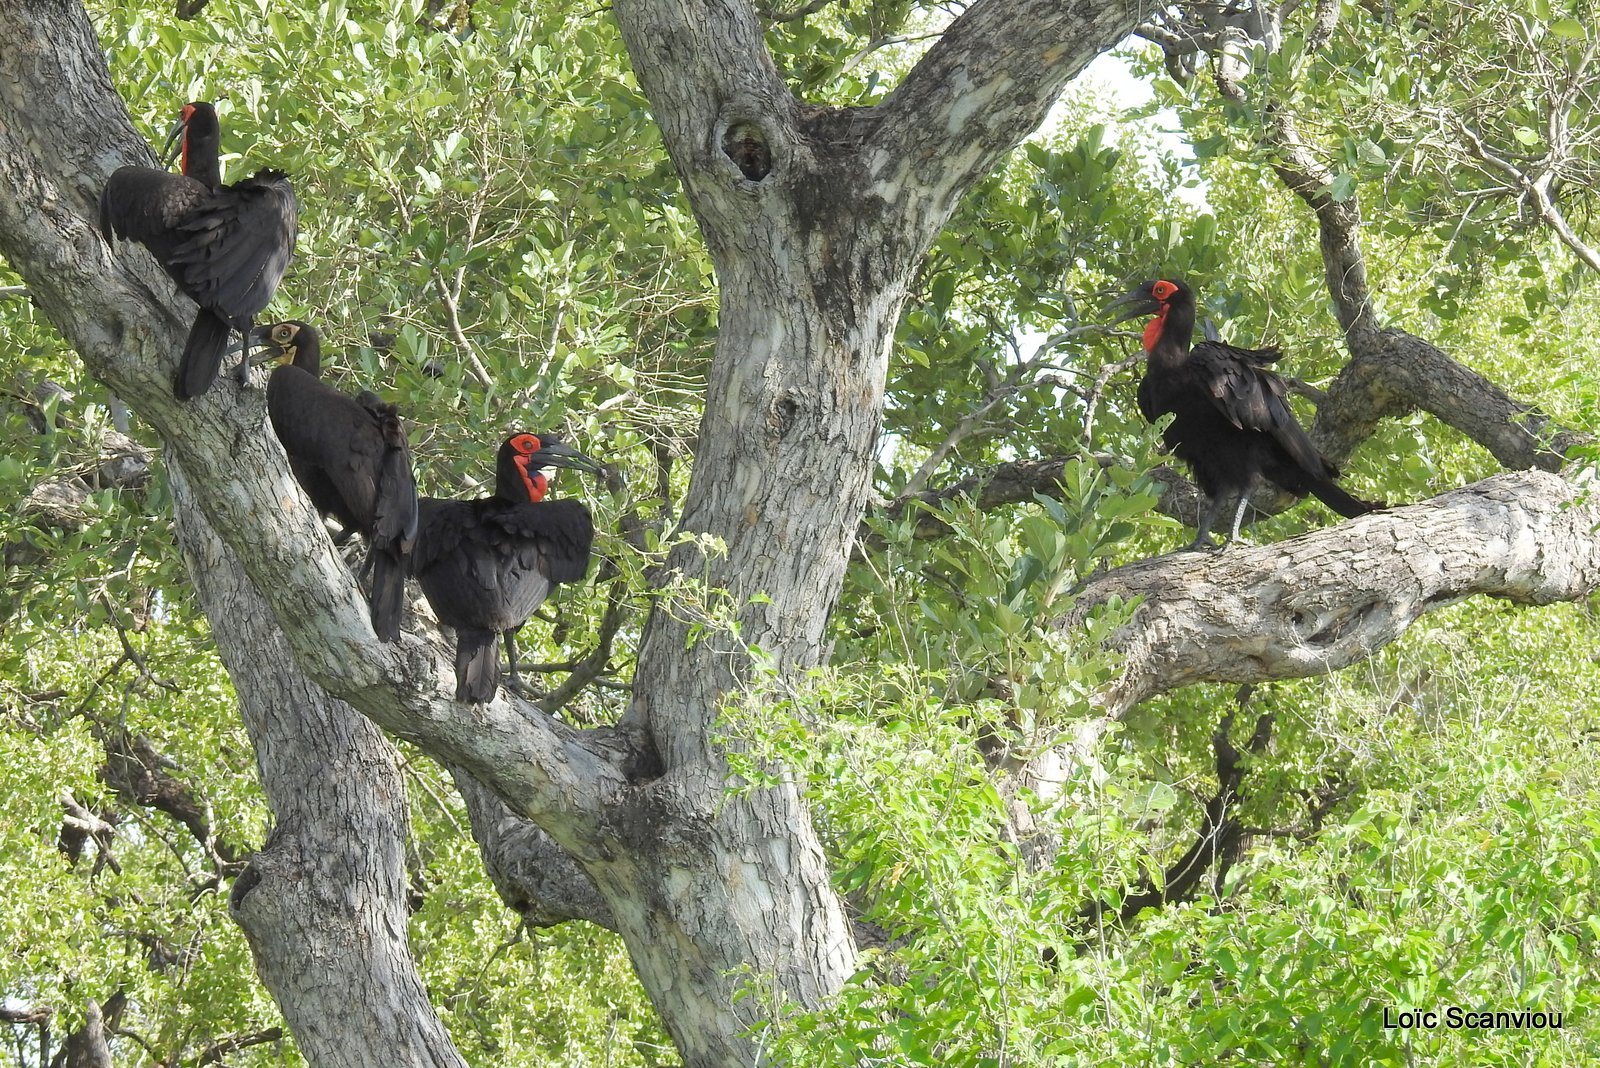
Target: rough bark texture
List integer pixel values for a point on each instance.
(815, 219)
(323, 904)
(1329, 598)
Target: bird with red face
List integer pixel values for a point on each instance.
(486, 565)
(227, 246)
(1231, 419)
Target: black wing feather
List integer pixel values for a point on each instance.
(1254, 398)
(236, 246)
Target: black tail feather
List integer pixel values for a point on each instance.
(202, 355)
(1330, 494)
(477, 665)
(395, 516)
(388, 597)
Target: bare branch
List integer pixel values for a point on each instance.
(1399, 371)
(1332, 597)
(214, 1053)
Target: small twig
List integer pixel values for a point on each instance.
(233, 1043)
(452, 318)
(132, 655)
(590, 667)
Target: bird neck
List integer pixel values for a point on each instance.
(308, 357)
(201, 157)
(1166, 337)
(517, 481)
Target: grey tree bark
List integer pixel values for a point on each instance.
(323, 903)
(815, 219)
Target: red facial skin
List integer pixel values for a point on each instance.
(1152, 331)
(188, 110)
(527, 445)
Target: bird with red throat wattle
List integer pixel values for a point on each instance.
(1231, 419)
(486, 565)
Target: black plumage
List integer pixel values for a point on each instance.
(1231, 416)
(351, 457)
(487, 564)
(227, 246)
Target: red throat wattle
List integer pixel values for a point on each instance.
(534, 482)
(1152, 330)
(183, 162)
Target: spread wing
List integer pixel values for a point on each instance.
(145, 205)
(234, 248)
(562, 531)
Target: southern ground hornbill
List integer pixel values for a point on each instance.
(226, 246)
(350, 456)
(487, 564)
(1231, 417)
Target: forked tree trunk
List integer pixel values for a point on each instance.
(816, 220)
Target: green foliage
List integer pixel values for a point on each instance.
(492, 237)
(1421, 844)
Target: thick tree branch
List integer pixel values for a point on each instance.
(323, 903)
(1401, 372)
(987, 84)
(1391, 371)
(535, 877)
(1333, 597)
(121, 314)
(1338, 221)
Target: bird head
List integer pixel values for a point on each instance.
(523, 458)
(290, 342)
(196, 138)
(1160, 297)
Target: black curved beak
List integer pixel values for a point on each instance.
(555, 454)
(262, 348)
(172, 147)
(266, 350)
(1140, 303)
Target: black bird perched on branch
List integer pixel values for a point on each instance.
(227, 246)
(487, 564)
(350, 456)
(1231, 417)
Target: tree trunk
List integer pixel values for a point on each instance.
(816, 220)
(323, 904)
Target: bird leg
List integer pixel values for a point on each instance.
(514, 683)
(1238, 514)
(1208, 515)
(244, 364)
